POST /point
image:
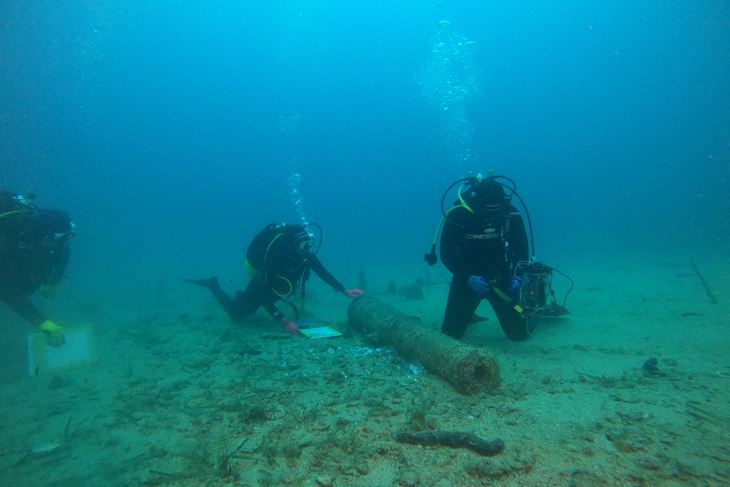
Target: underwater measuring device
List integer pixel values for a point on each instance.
(536, 287)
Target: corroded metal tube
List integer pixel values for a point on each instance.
(468, 369)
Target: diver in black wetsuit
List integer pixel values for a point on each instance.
(34, 253)
(279, 260)
(483, 241)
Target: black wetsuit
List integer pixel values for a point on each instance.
(280, 268)
(473, 244)
(25, 262)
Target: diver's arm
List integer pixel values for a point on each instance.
(23, 305)
(451, 241)
(316, 265)
(271, 308)
(289, 325)
(59, 266)
(519, 246)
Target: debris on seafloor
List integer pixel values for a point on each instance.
(412, 292)
(454, 439)
(362, 281)
(392, 288)
(651, 368)
(710, 295)
(48, 448)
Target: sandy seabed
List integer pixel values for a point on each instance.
(187, 398)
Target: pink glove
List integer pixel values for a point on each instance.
(353, 293)
(290, 326)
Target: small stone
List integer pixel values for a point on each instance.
(323, 480)
(651, 368)
(58, 382)
(648, 463)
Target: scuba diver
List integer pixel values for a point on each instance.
(484, 244)
(34, 253)
(279, 260)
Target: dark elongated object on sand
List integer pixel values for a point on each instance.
(454, 439)
(708, 291)
(468, 369)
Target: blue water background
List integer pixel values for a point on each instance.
(158, 127)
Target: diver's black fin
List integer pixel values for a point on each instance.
(210, 283)
(553, 310)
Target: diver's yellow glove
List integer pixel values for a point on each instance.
(49, 291)
(53, 332)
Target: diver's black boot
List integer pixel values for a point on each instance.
(475, 318)
(210, 283)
